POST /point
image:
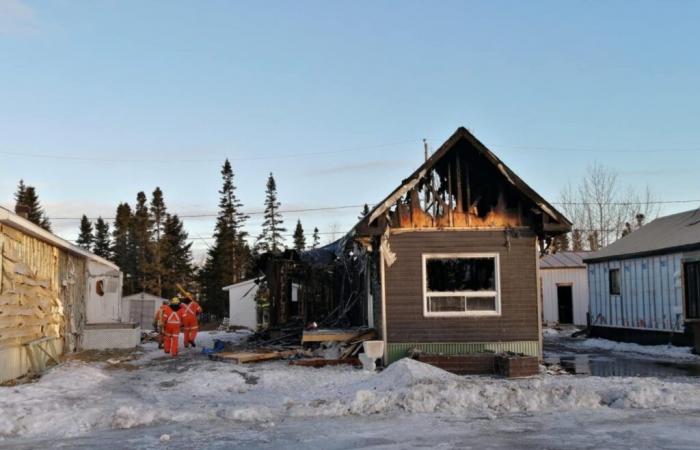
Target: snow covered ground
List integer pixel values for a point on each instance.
(192, 402)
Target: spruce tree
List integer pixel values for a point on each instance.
(176, 254)
(85, 237)
(101, 246)
(26, 196)
(121, 250)
(316, 239)
(270, 239)
(141, 248)
(228, 260)
(299, 239)
(158, 218)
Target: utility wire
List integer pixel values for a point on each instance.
(332, 208)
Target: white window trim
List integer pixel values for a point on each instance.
(496, 293)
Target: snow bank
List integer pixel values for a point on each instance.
(668, 351)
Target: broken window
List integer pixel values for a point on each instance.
(461, 285)
(614, 281)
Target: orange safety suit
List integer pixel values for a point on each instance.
(159, 321)
(190, 323)
(172, 315)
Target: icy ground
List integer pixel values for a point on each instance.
(191, 402)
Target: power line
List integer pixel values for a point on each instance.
(332, 208)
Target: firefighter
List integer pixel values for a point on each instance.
(191, 326)
(172, 318)
(158, 322)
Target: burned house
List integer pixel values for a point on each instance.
(447, 263)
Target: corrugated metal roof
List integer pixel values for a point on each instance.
(562, 260)
(667, 233)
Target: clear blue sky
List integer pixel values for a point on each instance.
(201, 81)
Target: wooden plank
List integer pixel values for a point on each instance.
(27, 332)
(248, 357)
(22, 321)
(329, 335)
(320, 362)
(9, 299)
(12, 310)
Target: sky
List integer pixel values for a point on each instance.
(100, 100)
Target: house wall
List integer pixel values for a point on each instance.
(577, 279)
(518, 324)
(651, 294)
(242, 306)
(41, 296)
(103, 308)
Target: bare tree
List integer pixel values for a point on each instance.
(602, 210)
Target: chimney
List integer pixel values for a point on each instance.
(22, 210)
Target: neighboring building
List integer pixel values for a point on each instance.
(447, 263)
(243, 310)
(645, 287)
(55, 298)
(564, 288)
(140, 308)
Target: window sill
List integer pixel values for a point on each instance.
(462, 314)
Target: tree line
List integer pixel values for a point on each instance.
(154, 252)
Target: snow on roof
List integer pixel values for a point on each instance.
(562, 260)
(18, 222)
(662, 235)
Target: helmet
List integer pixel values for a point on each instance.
(165, 302)
(175, 301)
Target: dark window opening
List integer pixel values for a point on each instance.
(614, 281)
(691, 276)
(461, 274)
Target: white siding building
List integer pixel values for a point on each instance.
(141, 308)
(645, 287)
(243, 311)
(564, 287)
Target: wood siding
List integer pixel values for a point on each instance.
(519, 319)
(568, 276)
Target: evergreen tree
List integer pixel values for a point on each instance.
(316, 239)
(158, 219)
(228, 260)
(365, 211)
(121, 250)
(85, 238)
(176, 254)
(299, 239)
(141, 248)
(101, 245)
(26, 196)
(270, 239)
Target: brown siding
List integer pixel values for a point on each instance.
(404, 288)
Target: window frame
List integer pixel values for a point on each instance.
(474, 294)
(610, 281)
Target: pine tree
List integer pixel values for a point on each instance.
(26, 196)
(270, 239)
(141, 248)
(365, 211)
(299, 239)
(102, 243)
(158, 217)
(121, 250)
(176, 254)
(228, 260)
(85, 238)
(316, 239)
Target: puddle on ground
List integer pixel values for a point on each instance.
(611, 366)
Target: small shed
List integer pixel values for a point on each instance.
(243, 311)
(564, 285)
(141, 308)
(645, 287)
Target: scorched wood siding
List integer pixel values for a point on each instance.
(404, 288)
